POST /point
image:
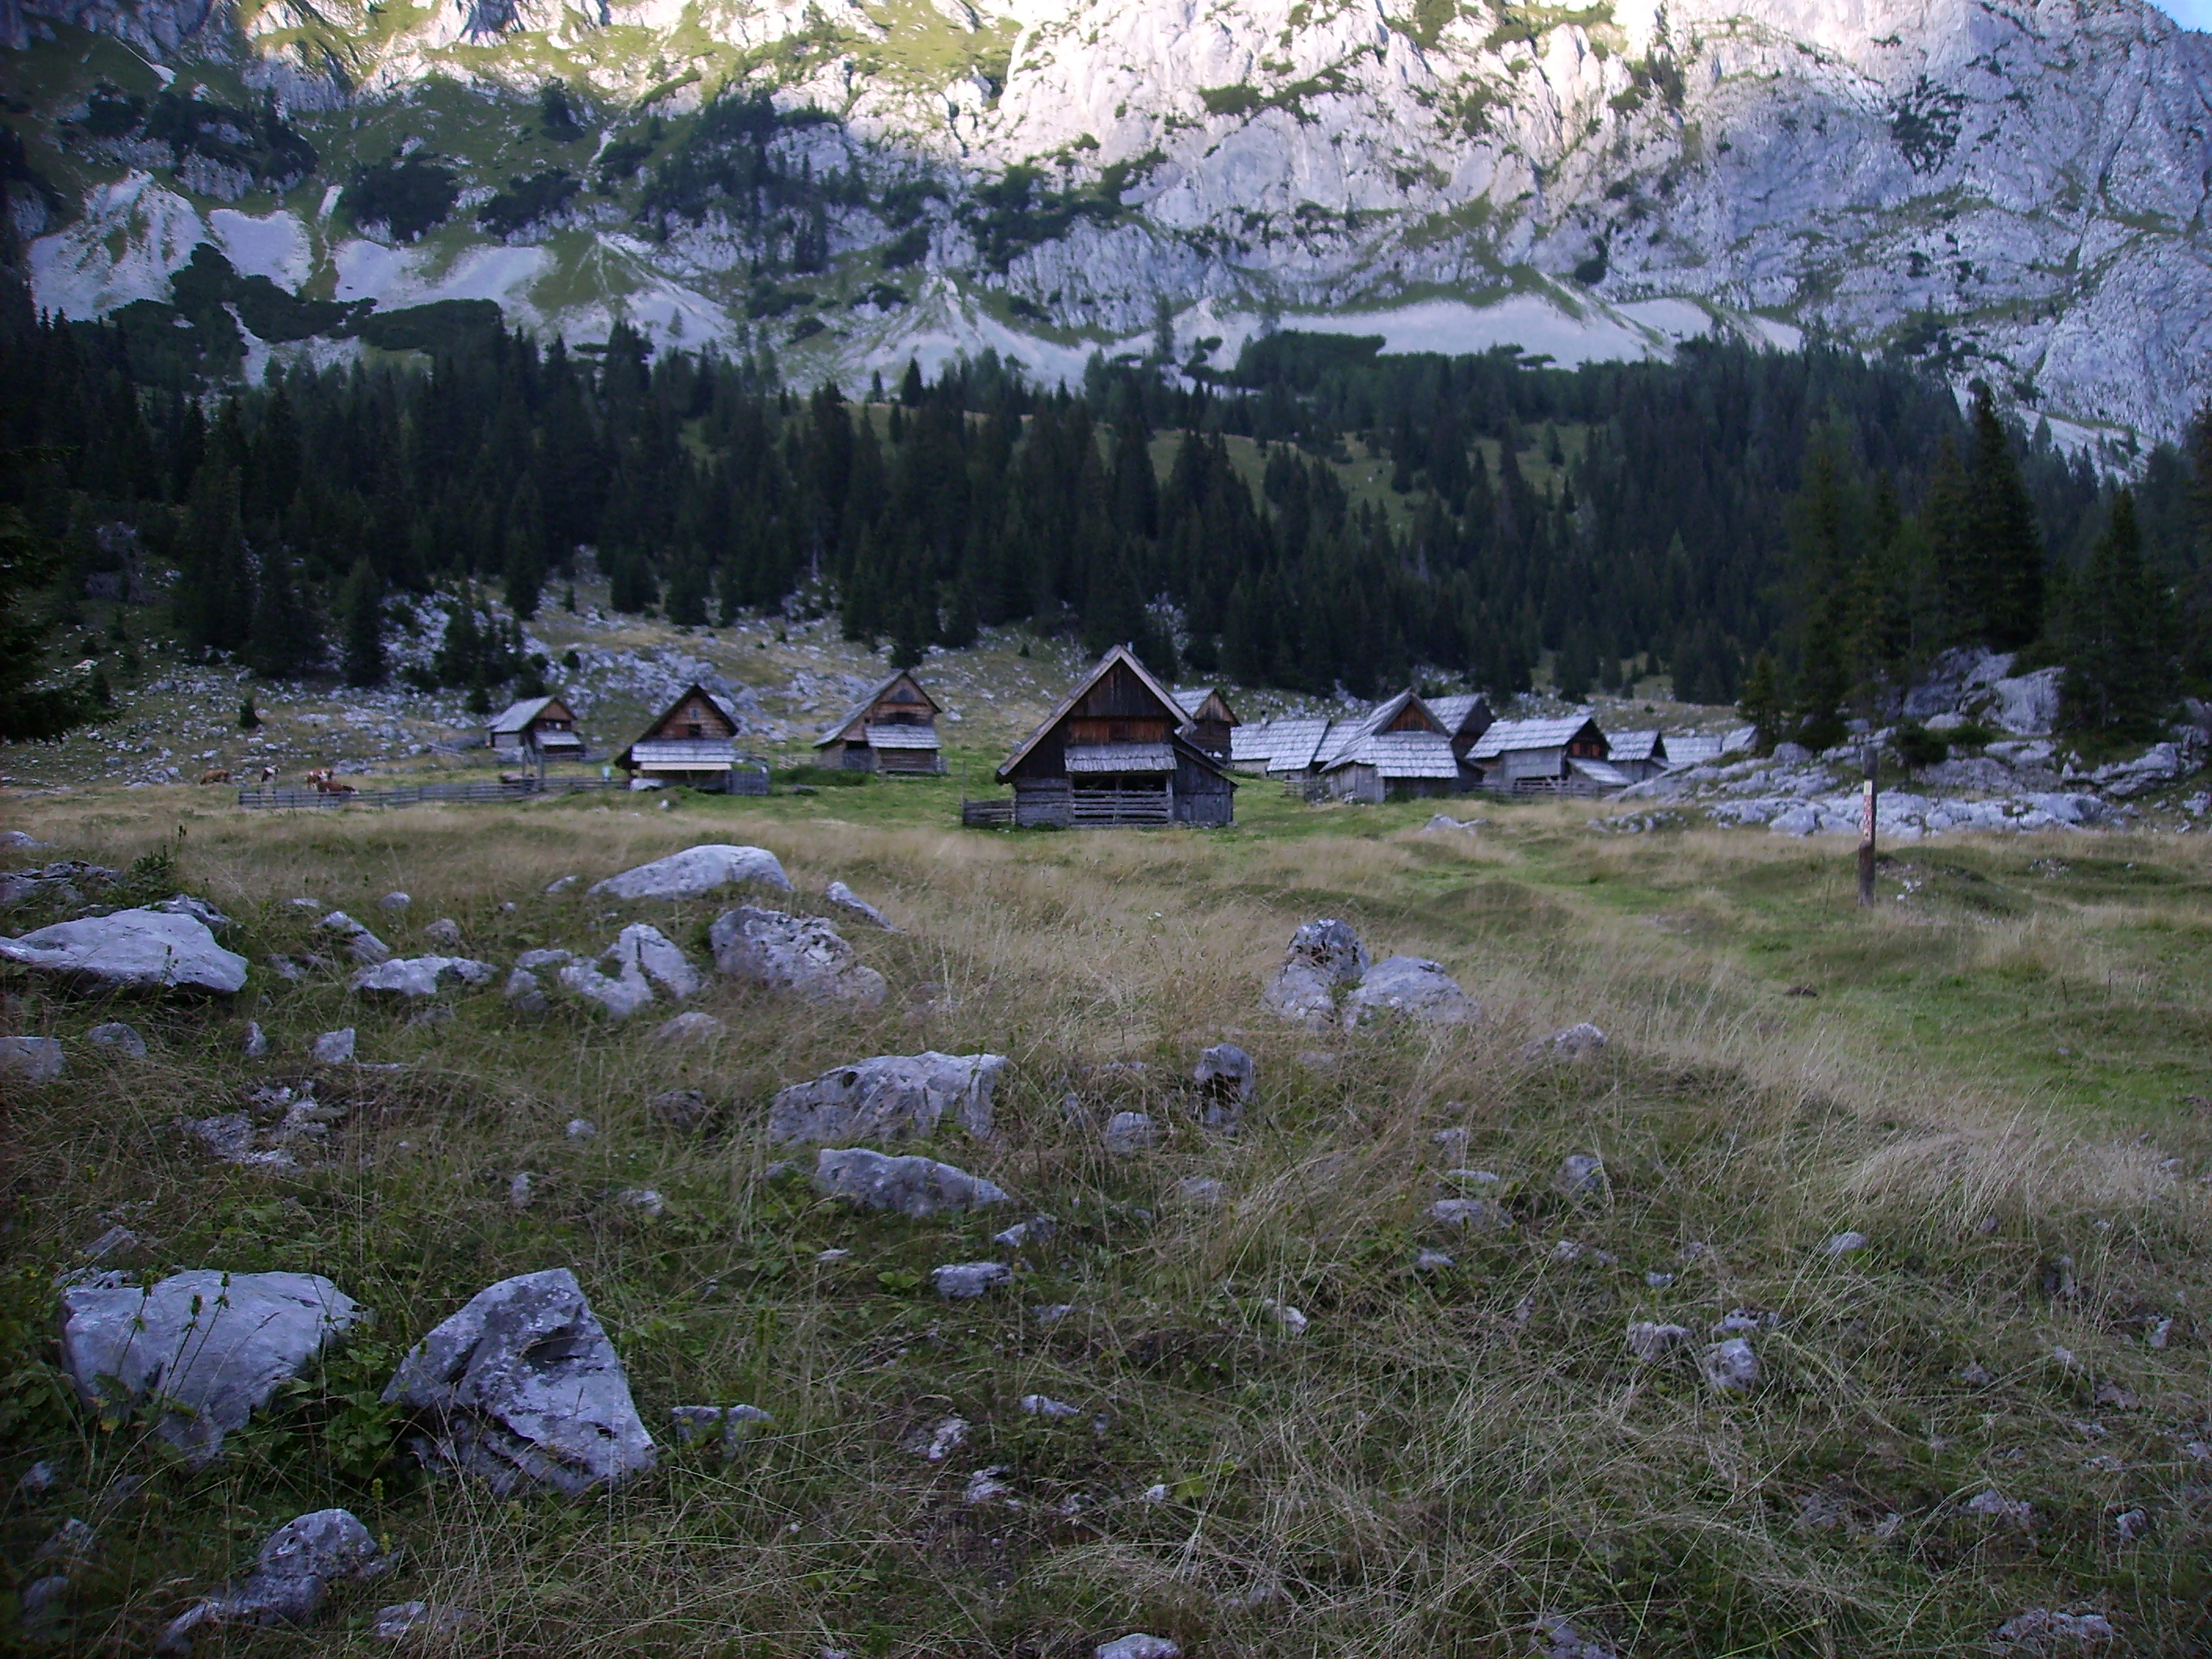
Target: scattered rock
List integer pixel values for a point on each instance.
(394, 901)
(524, 993)
(695, 870)
(643, 1198)
(1137, 1645)
(1730, 1366)
(703, 1425)
(1411, 988)
(801, 954)
(210, 1346)
(946, 1438)
(297, 1565)
(1574, 1040)
(1131, 1132)
(916, 1187)
(131, 949)
(620, 981)
(1582, 1173)
(404, 1619)
(362, 945)
(444, 931)
(521, 1189)
(1322, 956)
(333, 1048)
(1996, 1506)
(1844, 1244)
(73, 1541)
(1038, 1227)
(684, 1110)
(560, 885)
(31, 1059)
(959, 1280)
(1044, 1406)
(846, 899)
(1975, 1375)
(2131, 1524)
(887, 1097)
(1292, 1320)
(116, 1035)
(1648, 1341)
(255, 1042)
(1226, 1080)
(114, 1242)
(692, 1027)
(1464, 1212)
(1433, 1261)
(1446, 821)
(1203, 1190)
(580, 1128)
(420, 976)
(1563, 1641)
(522, 1387)
(2049, 1630)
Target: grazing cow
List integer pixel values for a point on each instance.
(327, 785)
(268, 775)
(215, 775)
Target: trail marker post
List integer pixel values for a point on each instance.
(1867, 793)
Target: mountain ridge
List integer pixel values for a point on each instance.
(2011, 192)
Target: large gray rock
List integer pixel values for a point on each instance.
(123, 1038)
(1226, 1080)
(622, 980)
(1322, 957)
(801, 954)
(1410, 987)
(522, 1387)
(290, 1579)
(30, 1059)
(887, 1097)
(917, 1187)
(362, 945)
(695, 870)
(420, 976)
(210, 1346)
(131, 950)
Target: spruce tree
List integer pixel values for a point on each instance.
(2003, 548)
(285, 640)
(1762, 702)
(360, 607)
(27, 561)
(2118, 637)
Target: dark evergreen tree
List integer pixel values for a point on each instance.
(2118, 637)
(361, 608)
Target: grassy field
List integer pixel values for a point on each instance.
(1991, 1075)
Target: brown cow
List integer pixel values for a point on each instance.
(215, 775)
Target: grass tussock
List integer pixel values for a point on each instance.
(1441, 1458)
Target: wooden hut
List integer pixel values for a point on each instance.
(694, 743)
(1397, 751)
(1566, 754)
(536, 728)
(1117, 750)
(892, 729)
(1637, 755)
(1464, 718)
(1212, 721)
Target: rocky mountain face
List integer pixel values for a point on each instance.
(2012, 191)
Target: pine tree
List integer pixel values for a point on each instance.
(2118, 637)
(2004, 551)
(360, 605)
(1762, 702)
(286, 640)
(27, 561)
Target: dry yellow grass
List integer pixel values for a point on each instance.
(1440, 1460)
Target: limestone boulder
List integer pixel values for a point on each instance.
(522, 1389)
(291, 1577)
(916, 1187)
(803, 955)
(622, 980)
(210, 1347)
(131, 950)
(30, 1059)
(695, 870)
(846, 899)
(421, 976)
(1408, 987)
(888, 1096)
(1322, 957)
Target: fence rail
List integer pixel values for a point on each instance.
(986, 814)
(412, 794)
(1099, 808)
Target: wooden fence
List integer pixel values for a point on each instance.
(986, 814)
(414, 794)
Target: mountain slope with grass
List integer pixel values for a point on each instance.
(2008, 192)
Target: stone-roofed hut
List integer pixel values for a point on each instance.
(1638, 755)
(893, 729)
(1117, 750)
(694, 743)
(1397, 750)
(1464, 717)
(540, 728)
(1214, 723)
(1568, 753)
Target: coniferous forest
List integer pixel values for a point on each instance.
(1804, 531)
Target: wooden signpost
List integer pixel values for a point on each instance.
(1867, 793)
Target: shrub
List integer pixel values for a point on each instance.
(409, 195)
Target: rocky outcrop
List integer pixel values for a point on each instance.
(1408, 987)
(622, 980)
(131, 950)
(31, 1059)
(695, 870)
(803, 955)
(521, 1387)
(1323, 958)
(421, 976)
(210, 1347)
(888, 1096)
(916, 1187)
(291, 1577)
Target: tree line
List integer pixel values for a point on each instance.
(1837, 516)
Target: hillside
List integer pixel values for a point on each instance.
(2004, 193)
